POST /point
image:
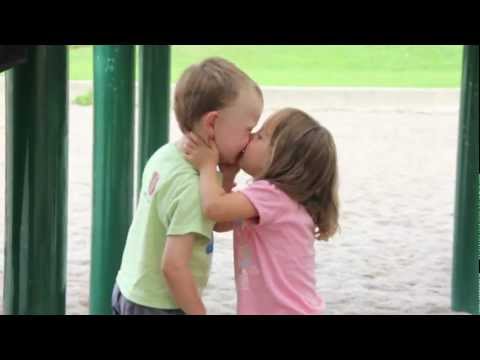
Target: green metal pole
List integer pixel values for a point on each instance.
(36, 183)
(154, 103)
(112, 168)
(465, 257)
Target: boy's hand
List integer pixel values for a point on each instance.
(200, 154)
(229, 172)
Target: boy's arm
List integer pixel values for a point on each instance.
(217, 204)
(228, 185)
(223, 226)
(176, 257)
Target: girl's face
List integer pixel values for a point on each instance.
(258, 150)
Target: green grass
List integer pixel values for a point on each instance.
(380, 66)
(85, 99)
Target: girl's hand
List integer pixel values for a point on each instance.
(200, 154)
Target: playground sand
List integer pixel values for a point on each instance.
(394, 254)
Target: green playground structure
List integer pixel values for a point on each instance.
(37, 168)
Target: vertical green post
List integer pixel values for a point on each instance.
(36, 183)
(112, 168)
(154, 103)
(466, 251)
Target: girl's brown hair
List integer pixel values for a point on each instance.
(303, 164)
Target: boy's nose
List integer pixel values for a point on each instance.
(247, 143)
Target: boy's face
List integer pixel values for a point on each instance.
(235, 123)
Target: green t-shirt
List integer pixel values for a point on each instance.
(169, 204)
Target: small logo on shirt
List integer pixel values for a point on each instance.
(245, 256)
(209, 247)
(153, 183)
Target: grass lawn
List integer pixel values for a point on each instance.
(359, 65)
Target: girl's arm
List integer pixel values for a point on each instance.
(217, 204)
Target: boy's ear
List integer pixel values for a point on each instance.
(210, 120)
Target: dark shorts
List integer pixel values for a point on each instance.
(123, 306)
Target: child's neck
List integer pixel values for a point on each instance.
(179, 143)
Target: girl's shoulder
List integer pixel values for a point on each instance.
(263, 191)
(274, 206)
(265, 187)
(270, 188)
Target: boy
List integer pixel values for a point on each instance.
(167, 256)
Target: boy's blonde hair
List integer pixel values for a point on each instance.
(210, 85)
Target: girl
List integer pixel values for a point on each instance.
(292, 201)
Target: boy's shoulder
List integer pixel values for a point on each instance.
(168, 166)
(171, 161)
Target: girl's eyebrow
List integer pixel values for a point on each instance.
(264, 130)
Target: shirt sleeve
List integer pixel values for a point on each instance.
(267, 200)
(185, 216)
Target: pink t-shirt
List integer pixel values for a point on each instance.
(275, 256)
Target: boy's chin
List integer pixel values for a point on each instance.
(240, 161)
(229, 161)
(247, 172)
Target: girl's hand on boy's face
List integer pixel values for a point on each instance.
(200, 154)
